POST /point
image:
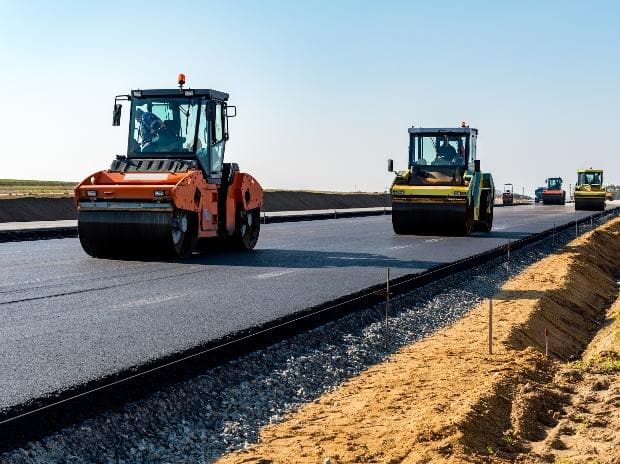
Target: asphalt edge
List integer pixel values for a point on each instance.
(47, 233)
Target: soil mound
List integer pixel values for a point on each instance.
(37, 209)
(300, 201)
(445, 399)
(62, 208)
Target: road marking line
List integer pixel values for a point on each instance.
(145, 302)
(399, 247)
(269, 275)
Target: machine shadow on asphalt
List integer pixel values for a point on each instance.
(311, 259)
(501, 234)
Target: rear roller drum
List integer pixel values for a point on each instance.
(247, 229)
(183, 233)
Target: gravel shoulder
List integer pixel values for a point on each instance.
(445, 399)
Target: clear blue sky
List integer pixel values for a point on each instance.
(325, 90)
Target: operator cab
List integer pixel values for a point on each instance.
(178, 124)
(554, 183)
(590, 178)
(442, 147)
(441, 156)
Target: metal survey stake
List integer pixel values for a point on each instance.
(387, 308)
(491, 326)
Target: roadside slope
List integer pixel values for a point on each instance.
(25, 209)
(445, 399)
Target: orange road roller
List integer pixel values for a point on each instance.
(553, 193)
(172, 191)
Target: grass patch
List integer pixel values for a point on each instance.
(607, 362)
(24, 187)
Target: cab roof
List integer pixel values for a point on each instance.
(449, 130)
(589, 170)
(209, 93)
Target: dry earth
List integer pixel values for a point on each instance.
(588, 426)
(446, 400)
(60, 208)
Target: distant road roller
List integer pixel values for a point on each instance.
(553, 193)
(589, 192)
(443, 190)
(172, 189)
(508, 195)
(538, 194)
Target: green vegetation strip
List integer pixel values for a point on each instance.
(23, 187)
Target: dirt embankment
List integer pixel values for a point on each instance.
(445, 399)
(62, 208)
(587, 427)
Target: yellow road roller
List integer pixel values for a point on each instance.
(589, 191)
(442, 190)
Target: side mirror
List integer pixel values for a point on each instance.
(231, 111)
(390, 165)
(477, 165)
(116, 115)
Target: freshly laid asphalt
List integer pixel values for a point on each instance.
(66, 318)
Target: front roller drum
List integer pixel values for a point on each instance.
(553, 199)
(590, 203)
(137, 233)
(432, 218)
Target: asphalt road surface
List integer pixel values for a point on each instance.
(66, 318)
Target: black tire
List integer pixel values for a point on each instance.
(184, 233)
(487, 224)
(469, 220)
(247, 229)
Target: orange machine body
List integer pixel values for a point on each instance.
(188, 191)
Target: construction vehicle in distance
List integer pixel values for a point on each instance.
(610, 193)
(443, 189)
(538, 194)
(553, 193)
(589, 192)
(508, 197)
(172, 189)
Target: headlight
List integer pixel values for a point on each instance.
(91, 193)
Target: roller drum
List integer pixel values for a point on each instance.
(118, 233)
(590, 203)
(439, 218)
